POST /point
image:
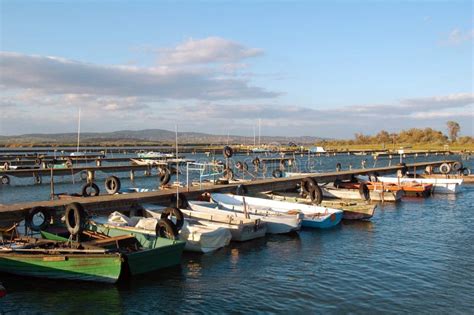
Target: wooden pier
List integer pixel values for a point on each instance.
(105, 204)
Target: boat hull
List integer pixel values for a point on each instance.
(98, 268)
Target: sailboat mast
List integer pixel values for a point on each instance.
(78, 129)
(259, 130)
(254, 137)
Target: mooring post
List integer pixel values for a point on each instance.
(90, 176)
(132, 175)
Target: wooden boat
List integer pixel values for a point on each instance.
(467, 179)
(34, 257)
(330, 191)
(277, 223)
(314, 216)
(412, 189)
(352, 210)
(242, 229)
(198, 237)
(138, 255)
(440, 185)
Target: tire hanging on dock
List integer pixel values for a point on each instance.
(170, 212)
(228, 174)
(444, 168)
(45, 215)
(166, 229)
(241, 190)
(457, 166)
(5, 180)
(75, 218)
(228, 152)
(338, 167)
(179, 201)
(164, 175)
(364, 191)
(90, 190)
(277, 173)
(112, 185)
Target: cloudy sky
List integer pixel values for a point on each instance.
(326, 69)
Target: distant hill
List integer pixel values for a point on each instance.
(145, 136)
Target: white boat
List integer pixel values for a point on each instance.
(440, 185)
(314, 216)
(242, 229)
(199, 238)
(277, 223)
(152, 154)
(329, 191)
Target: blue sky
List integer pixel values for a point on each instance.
(328, 68)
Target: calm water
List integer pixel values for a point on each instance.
(416, 256)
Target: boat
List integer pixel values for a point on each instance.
(352, 210)
(198, 237)
(314, 216)
(411, 189)
(28, 256)
(353, 193)
(138, 255)
(277, 223)
(153, 155)
(440, 185)
(242, 229)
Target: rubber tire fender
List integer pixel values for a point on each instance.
(457, 166)
(364, 191)
(112, 185)
(166, 229)
(338, 167)
(165, 176)
(316, 195)
(94, 187)
(241, 190)
(6, 166)
(239, 165)
(308, 184)
(445, 168)
(173, 211)
(5, 180)
(75, 218)
(337, 183)
(32, 213)
(277, 173)
(228, 152)
(228, 174)
(256, 162)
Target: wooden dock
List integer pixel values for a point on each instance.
(105, 204)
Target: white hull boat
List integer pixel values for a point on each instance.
(330, 191)
(277, 223)
(440, 185)
(314, 216)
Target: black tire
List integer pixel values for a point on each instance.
(466, 171)
(403, 171)
(182, 201)
(83, 175)
(364, 191)
(34, 212)
(337, 183)
(174, 212)
(228, 152)
(75, 218)
(256, 162)
(245, 166)
(38, 161)
(228, 174)
(316, 195)
(5, 180)
(6, 166)
(69, 163)
(374, 177)
(308, 184)
(277, 173)
(444, 168)
(165, 176)
(87, 193)
(112, 185)
(239, 165)
(457, 166)
(166, 229)
(241, 190)
(338, 167)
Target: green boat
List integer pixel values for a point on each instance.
(152, 255)
(59, 260)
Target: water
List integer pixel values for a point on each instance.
(416, 257)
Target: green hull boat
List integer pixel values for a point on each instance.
(61, 263)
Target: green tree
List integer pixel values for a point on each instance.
(453, 130)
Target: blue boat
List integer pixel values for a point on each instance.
(314, 216)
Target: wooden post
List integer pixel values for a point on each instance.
(52, 184)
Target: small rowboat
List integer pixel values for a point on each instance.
(353, 193)
(412, 189)
(440, 185)
(277, 223)
(314, 216)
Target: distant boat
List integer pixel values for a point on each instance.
(440, 185)
(260, 150)
(154, 155)
(317, 150)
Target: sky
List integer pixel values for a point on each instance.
(303, 68)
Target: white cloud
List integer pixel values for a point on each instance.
(457, 37)
(207, 50)
(54, 75)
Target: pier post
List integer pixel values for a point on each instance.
(132, 175)
(90, 176)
